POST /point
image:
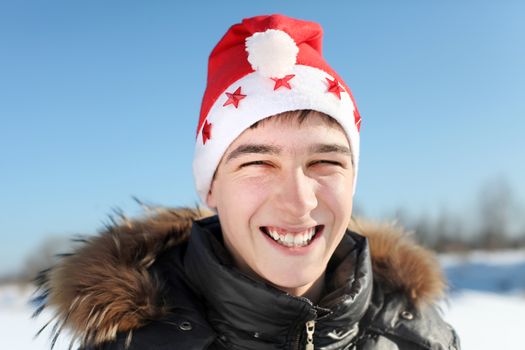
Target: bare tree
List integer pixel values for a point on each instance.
(46, 255)
(496, 204)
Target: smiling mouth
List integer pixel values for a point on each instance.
(292, 239)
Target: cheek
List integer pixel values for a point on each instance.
(239, 200)
(339, 188)
(253, 188)
(337, 194)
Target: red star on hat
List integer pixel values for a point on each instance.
(334, 87)
(357, 119)
(206, 132)
(283, 82)
(234, 98)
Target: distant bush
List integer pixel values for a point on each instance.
(44, 256)
(497, 224)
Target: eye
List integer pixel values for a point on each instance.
(326, 162)
(255, 162)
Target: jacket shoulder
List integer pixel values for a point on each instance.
(409, 285)
(110, 285)
(393, 319)
(181, 331)
(400, 264)
(184, 326)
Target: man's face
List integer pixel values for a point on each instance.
(283, 192)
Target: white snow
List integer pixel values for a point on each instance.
(17, 328)
(486, 305)
(487, 320)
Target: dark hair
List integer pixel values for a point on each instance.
(298, 116)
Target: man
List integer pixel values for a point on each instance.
(276, 157)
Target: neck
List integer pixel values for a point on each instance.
(312, 291)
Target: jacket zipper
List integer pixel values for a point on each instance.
(310, 328)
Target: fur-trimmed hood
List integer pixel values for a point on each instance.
(105, 286)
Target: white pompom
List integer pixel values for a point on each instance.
(272, 53)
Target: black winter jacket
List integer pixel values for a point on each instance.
(154, 286)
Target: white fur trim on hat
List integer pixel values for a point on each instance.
(309, 91)
(272, 53)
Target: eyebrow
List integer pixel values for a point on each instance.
(273, 150)
(329, 148)
(253, 148)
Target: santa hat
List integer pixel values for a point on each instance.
(264, 66)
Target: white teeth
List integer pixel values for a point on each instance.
(292, 240)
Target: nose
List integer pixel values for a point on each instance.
(296, 195)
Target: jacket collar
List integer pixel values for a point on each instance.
(249, 313)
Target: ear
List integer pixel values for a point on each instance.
(210, 198)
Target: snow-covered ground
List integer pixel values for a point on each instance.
(487, 320)
(486, 305)
(487, 298)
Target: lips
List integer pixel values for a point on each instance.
(292, 239)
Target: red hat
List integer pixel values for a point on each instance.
(264, 66)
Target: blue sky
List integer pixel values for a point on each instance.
(99, 102)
